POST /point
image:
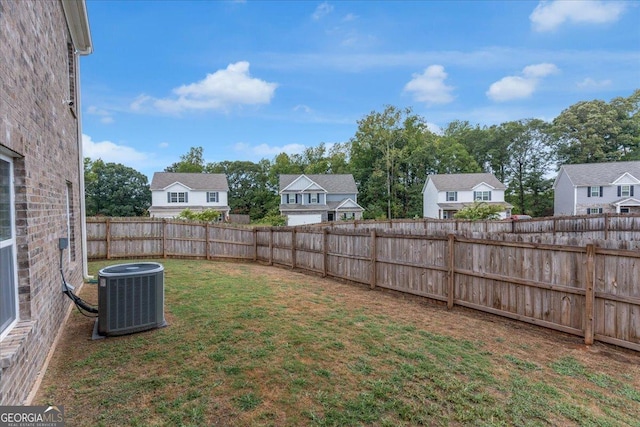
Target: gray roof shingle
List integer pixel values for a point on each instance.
(195, 181)
(333, 183)
(588, 174)
(464, 181)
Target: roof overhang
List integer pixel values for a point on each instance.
(627, 202)
(75, 11)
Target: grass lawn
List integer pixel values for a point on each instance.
(252, 345)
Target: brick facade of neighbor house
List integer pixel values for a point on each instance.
(39, 139)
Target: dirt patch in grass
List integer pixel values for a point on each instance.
(255, 345)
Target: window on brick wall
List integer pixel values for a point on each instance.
(8, 272)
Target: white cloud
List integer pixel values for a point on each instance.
(110, 152)
(517, 87)
(163, 145)
(303, 108)
(589, 83)
(264, 150)
(429, 87)
(218, 91)
(322, 10)
(105, 116)
(539, 70)
(549, 15)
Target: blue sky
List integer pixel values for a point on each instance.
(247, 80)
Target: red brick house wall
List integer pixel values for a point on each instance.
(39, 131)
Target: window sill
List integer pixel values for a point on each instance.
(11, 344)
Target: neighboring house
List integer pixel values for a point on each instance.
(444, 195)
(41, 182)
(595, 188)
(172, 192)
(310, 199)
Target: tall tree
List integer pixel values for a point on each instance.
(248, 187)
(597, 131)
(191, 162)
(112, 189)
(390, 155)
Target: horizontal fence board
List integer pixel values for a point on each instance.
(533, 271)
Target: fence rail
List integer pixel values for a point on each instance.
(586, 288)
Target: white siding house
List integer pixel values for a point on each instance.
(171, 193)
(311, 199)
(595, 188)
(444, 195)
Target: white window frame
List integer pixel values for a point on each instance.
(11, 242)
(625, 190)
(180, 197)
(451, 196)
(594, 191)
(213, 197)
(291, 199)
(594, 211)
(483, 196)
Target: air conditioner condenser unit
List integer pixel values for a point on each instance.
(130, 299)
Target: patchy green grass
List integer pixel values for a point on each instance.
(249, 345)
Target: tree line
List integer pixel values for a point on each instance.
(392, 153)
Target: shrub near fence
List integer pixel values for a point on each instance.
(581, 289)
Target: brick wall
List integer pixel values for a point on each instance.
(41, 128)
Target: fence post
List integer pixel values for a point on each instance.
(325, 234)
(374, 277)
(271, 246)
(206, 243)
(590, 295)
(108, 236)
(255, 244)
(451, 271)
(606, 226)
(164, 238)
(293, 248)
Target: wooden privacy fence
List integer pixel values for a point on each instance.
(588, 291)
(619, 227)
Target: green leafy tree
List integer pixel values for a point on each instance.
(191, 162)
(112, 189)
(530, 159)
(249, 192)
(479, 211)
(597, 131)
(389, 159)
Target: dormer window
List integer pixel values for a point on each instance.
(625, 191)
(177, 197)
(483, 196)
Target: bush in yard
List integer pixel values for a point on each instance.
(207, 215)
(479, 211)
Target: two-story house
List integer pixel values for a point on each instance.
(445, 194)
(596, 188)
(310, 199)
(173, 192)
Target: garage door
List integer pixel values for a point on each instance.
(304, 219)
